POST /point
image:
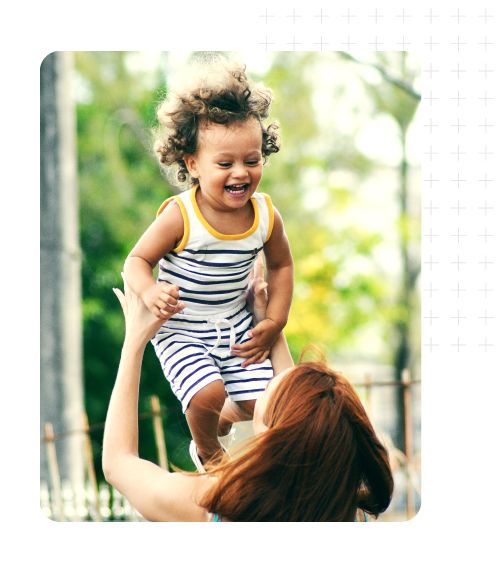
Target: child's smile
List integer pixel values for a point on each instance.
(228, 164)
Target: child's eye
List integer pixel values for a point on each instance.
(224, 164)
(253, 162)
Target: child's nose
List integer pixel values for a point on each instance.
(239, 171)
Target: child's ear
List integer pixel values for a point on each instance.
(190, 161)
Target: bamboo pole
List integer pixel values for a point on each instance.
(159, 435)
(408, 432)
(54, 470)
(89, 463)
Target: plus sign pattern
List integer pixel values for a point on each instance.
(457, 48)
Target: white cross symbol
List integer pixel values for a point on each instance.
(485, 98)
(403, 43)
(431, 317)
(321, 43)
(430, 46)
(486, 16)
(431, 70)
(486, 70)
(458, 211)
(431, 180)
(375, 15)
(458, 71)
(403, 16)
(431, 208)
(458, 317)
(430, 264)
(486, 180)
(459, 235)
(486, 126)
(266, 43)
(431, 290)
(294, 16)
(486, 262)
(458, 290)
(458, 16)
(458, 98)
(485, 207)
(485, 43)
(458, 153)
(458, 43)
(486, 290)
(485, 317)
(431, 235)
(266, 15)
(431, 126)
(431, 153)
(294, 43)
(375, 43)
(458, 345)
(485, 344)
(431, 345)
(458, 180)
(458, 126)
(349, 43)
(458, 262)
(348, 16)
(431, 98)
(486, 153)
(431, 16)
(322, 16)
(486, 235)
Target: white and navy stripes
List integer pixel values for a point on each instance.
(212, 271)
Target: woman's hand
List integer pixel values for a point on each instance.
(256, 292)
(140, 323)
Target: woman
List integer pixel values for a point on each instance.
(315, 456)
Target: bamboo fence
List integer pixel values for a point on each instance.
(99, 502)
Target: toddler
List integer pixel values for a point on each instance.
(206, 241)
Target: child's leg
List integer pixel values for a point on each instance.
(234, 411)
(202, 416)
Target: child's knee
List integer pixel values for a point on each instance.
(247, 407)
(209, 400)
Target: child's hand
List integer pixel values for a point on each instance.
(162, 300)
(256, 350)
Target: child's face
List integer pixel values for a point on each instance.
(228, 163)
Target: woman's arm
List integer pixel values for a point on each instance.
(155, 493)
(257, 299)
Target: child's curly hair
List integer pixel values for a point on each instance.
(214, 91)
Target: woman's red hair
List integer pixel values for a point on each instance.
(319, 461)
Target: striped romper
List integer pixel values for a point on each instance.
(212, 271)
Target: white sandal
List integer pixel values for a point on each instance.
(227, 441)
(193, 452)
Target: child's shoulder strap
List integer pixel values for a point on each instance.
(185, 218)
(266, 202)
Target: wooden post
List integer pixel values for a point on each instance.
(158, 431)
(89, 462)
(408, 433)
(368, 385)
(54, 471)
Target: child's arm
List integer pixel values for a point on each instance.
(279, 265)
(161, 237)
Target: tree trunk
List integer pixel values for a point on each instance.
(61, 387)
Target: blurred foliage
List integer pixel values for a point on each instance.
(341, 291)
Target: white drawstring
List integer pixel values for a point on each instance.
(232, 335)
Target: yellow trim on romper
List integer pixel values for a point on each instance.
(271, 215)
(185, 217)
(215, 233)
